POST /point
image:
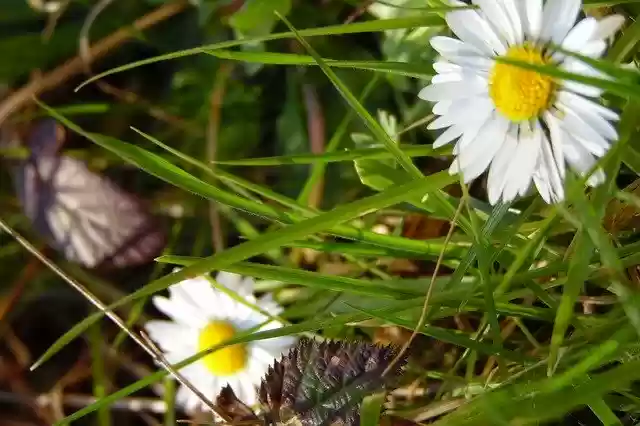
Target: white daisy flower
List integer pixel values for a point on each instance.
(202, 316)
(519, 124)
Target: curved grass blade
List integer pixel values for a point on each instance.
(299, 230)
(377, 288)
(276, 58)
(443, 204)
(332, 157)
(161, 168)
(428, 19)
(454, 337)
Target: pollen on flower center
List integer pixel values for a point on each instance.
(518, 93)
(226, 361)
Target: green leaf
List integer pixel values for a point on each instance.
(604, 413)
(378, 174)
(371, 409)
(256, 17)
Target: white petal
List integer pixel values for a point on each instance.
(448, 135)
(443, 67)
(467, 128)
(180, 312)
(549, 174)
(579, 67)
(577, 156)
(607, 27)
(533, 13)
(267, 304)
(500, 165)
(476, 158)
(593, 49)
(477, 65)
(442, 122)
(441, 108)
(582, 161)
(171, 336)
(245, 289)
(515, 19)
(524, 161)
(580, 108)
(228, 279)
(582, 131)
(499, 20)
(446, 78)
(473, 126)
(557, 19)
(471, 28)
(580, 34)
(597, 178)
(202, 380)
(459, 54)
(556, 134)
(197, 293)
(453, 90)
(246, 388)
(276, 347)
(460, 111)
(580, 103)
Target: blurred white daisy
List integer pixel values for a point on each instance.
(519, 124)
(202, 316)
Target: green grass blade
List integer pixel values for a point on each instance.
(292, 59)
(429, 19)
(332, 157)
(577, 274)
(318, 169)
(376, 129)
(371, 409)
(450, 336)
(604, 413)
(316, 280)
(267, 241)
(624, 89)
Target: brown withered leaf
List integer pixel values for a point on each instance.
(238, 411)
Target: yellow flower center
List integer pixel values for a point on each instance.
(518, 93)
(226, 361)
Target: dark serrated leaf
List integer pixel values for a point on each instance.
(238, 411)
(317, 384)
(324, 383)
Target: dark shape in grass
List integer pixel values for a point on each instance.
(83, 215)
